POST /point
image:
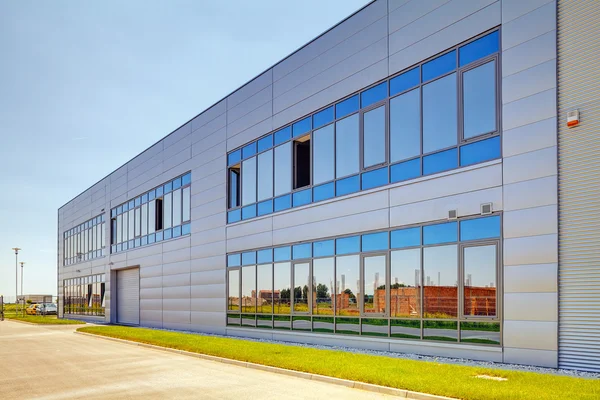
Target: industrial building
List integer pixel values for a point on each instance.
(422, 178)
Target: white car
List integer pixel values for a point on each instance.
(47, 309)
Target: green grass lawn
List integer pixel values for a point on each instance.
(429, 377)
(44, 320)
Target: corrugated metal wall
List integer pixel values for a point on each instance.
(579, 184)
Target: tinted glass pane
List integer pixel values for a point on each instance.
(347, 146)
(440, 233)
(440, 273)
(439, 114)
(348, 185)
(479, 100)
(480, 332)
(439, 66)
(405, 328)
(264, 289)
(234, 216)
(266, 207)
(265, 143)
(374, 137)
(406, 170)
(439, 162)
(346, 107)
(373, 95)
(323, 154)
(347, 245)
(374, 287)
(301, 126)
(283, 135)
(405, 81)
(480, 281)
(378, 177)
(249, 211)
(323, 279)
(405, 126)
(283, 169)
(248, 289)
(484, 150)
(347, 285)
(234, 158)
(324, 192)
(249, 150)
(405, 238)
(265, 175)
(302, 198)
(186, 229)
(282, 278)
(264, 256)
(375, 241)
(301, 251)
(282, 253)
(479, 48)
(324, 248)
(323, 117)
(234, 260)
(176, 185)
(301, 287)
(446, 331)
(233, 303)
(249, 181)
(283, 203)
(480, 228)
(249, 258)
(405, 283)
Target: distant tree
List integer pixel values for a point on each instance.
(305, 292)
(349, 292)
(28, 301)
(284, 294)
(298, 292)
(394, 286)
(322, 291)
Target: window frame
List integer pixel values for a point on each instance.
(363, 256)
(293, 264)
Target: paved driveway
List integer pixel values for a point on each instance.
(54, 363)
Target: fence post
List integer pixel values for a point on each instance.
(1, 308)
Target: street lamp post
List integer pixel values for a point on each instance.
(22, 278)
(16, 249)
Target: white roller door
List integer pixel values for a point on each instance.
(128, 296)
(579, 187)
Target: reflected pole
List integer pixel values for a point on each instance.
(22, 263)
(16, 249)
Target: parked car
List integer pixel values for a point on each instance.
(32, 309)
(46, 309)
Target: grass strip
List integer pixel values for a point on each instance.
(420, 376)
(47, 320)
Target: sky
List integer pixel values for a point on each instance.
(87, 85)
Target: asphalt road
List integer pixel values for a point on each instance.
(51, 362)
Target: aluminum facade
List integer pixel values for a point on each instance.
(183, 281)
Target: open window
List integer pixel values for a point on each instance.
(234, 186)
(302, 162)
(159, 214)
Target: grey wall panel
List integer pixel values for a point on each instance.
(248, 242)
(531, 307)
(250, 227)
(252, 103)
(531, 250)
(340, 54)
(150, 305)
(453, 183)
(394, 4)
(534, 193)
(210, 142)
(209, 305)
(177, 147)
(176, 280)
(176, 256)
(250, 89)
(434, 21)
(210, 128)
(353, 64)
(512, 9)
(180, 267)
(330, 39)
(208, 250)
(531, 222)
(151, 282)
(410, 11)
(366, 221)
(211, 222)
(177, 135)
(217, 165)
(252, 132)
(206, 277)
(176, 244)
(176, 317)
(209, 236)
(333, 93)
(539, 335)
(533, 278)
(437, 209)
(174, 306)
(209, 265)
(209, 115)
(529, 54)
(177, 292)
(208, 182)
(151, 294)
(218, 192)
(208, 318)
(530, 109)
(532, 165)
(206, 291)
(529, 82)
(251, 118)
(542, 358)
(452, 35)
(334, 209)
(538, 135)
(177, 159)
(528, 26)
(154, 271)
(205, 210)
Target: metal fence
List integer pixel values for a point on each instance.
(43, 306)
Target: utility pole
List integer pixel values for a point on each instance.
(16, 249)
(22, 278)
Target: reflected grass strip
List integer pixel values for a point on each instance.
(420, 376)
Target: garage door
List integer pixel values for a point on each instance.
(128, 296)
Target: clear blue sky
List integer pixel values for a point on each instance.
(85, 86)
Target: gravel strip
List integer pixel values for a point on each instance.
(418, 357)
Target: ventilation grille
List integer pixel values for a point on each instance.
(452, 214)
(486, 209)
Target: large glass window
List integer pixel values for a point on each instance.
(439, 114)
(374, 137)
(249, 289)
(302, 290)
(302, 170)
(265, 175)
(479, 100)
(283, 169)
(168, 207)
(440, 282)
(347, 146)
(405, 283)
(264, 287)
(323, 286)
(84, 295)
(374, 285)
(282, 280)
(347, 285)
(234, 187)
(176, 207)
(233, 278)
(249, 181)
(405, 126)
(480, 280)
(323, 155)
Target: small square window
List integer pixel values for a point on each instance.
(283, 203)
(347, 185)
(234, 216)
(186, 229)
(374, 94)
(375, 241)
(264, 256)
(440, 233)
(234, 260)
(186, 179)
(249, 258)
(406, 170)
(176, 183)
(282, 254)
(301, 127)
(480, 228)
(234, 157)
(283, 135)
(249, 211)
(375, 178)
(408, 237)
(177, 231)
(249, 150)
(324, 192)
(405, 81)
(323, 117)
(265, 207)
(302, 198)
(347, 245)
(168, 187)
(301, 251)
(265, 143)
(346, 107)
(439, 66)
(324, 248)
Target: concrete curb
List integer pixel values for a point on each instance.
(304, 375)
